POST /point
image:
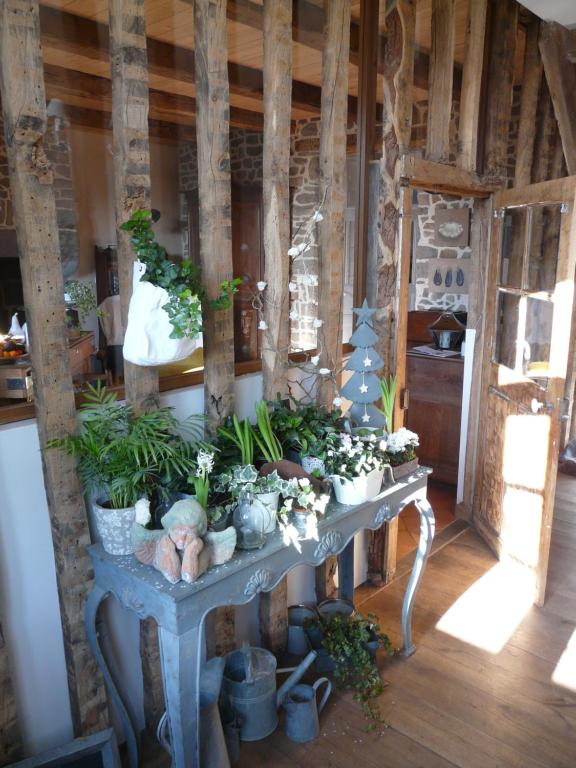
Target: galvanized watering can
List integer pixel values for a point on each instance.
(302, 711)
(250, 685)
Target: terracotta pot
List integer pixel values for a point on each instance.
(403, 470)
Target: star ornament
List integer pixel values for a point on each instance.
(367, 361)
(363, 388)
(364, 313)
(366, 418)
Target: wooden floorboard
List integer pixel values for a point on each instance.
(471, 696)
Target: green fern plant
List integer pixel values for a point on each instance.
(388, 395)
(123, 456)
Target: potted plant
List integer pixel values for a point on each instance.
(388, 397)
(299, 513)
(266, 489)
(401, 450)
(347, 645)
(355, 466)
(122, 457)
(80, 302)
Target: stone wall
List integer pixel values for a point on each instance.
(424, 250)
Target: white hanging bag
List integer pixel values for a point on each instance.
(147, 341)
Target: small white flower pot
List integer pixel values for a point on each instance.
(270, 502)
(114, 528)
(359, 489)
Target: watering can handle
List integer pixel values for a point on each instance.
(324, 699)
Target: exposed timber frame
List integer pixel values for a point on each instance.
(555, 47)
(441, 81)
(130, 102)
(528, 106)
(472, 85)
(31, 180)
(10, 741)
(276, 193)
(214, 193)
(383, 292)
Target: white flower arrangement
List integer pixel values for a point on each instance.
(402, 446)
(350, 456)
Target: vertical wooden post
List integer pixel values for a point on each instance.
(333, 123)
(503, 34)
(10, 743)
(384, 291)
(471, 85)
(276, 171)
(561, 78)
(129, 70)
(31, 181)
(531, 79)
(367, 86)
(276, 193)
(546, 134)
(334, 116)
(214, 193)
(440, 81)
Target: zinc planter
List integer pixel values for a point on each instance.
(270, 501)
(359, 489)
(114, 528)
(404, 470)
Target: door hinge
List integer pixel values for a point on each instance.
(564, 208)
(499, 213)
(564, 403)
(404, 399)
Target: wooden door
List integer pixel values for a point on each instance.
(529, 310)
(247, 257)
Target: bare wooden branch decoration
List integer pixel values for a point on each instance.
(24, 106)
(214, 192)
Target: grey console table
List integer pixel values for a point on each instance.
(181, 609)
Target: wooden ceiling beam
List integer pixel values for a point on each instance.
(70, 86)
(82, 37)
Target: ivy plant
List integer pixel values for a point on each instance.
(182, 280)
(347, 640)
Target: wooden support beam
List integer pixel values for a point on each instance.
(367, 82)
(276, 191)
(10, 741)
(82, 89)
(333, 195)
(546, 131)
(503, 35)
(441, 80)
(424, 174)
(214, 192)
(531, 80)
(31, 182)
(555, 42)
(471, 85)
(129, 87)
(383, 291)
(333, 188)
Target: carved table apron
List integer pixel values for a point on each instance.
(180, 609)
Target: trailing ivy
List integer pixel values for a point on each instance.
(182, 280)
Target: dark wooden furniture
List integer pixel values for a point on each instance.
(81, 349)
(435, 401)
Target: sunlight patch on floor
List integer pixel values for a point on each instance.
(490, 611)
(565, 672)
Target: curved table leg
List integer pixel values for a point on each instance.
(95, 599)
(427, 524)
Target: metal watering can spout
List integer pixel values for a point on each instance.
(294, 678)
